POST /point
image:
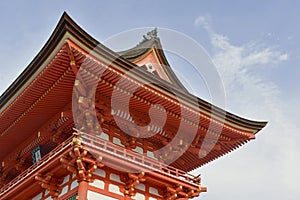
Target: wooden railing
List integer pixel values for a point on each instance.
(107, 147)
(150, 164)
(36, 167)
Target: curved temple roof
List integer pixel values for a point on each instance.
(11, 106)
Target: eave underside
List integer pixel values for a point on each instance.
(52, 90)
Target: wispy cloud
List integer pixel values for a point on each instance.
(239, 66)
(203, 21)
(251, 95)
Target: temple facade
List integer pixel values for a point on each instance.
(85, 122)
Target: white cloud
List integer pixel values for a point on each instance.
(247, 54)
(284, 57)
(202, 21)
(274, 155)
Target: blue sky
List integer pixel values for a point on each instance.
(255, 46)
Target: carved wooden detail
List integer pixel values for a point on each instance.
(80, 162)
(131, 180)
(50, 183)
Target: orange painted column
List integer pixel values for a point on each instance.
(82, 190)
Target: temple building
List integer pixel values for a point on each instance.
(85, 122)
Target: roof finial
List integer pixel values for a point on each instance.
(151, 34)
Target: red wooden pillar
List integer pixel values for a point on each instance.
(82, 190)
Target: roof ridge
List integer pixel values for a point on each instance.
(149, 36)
